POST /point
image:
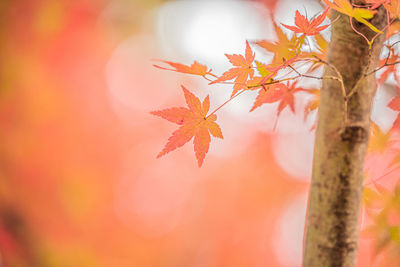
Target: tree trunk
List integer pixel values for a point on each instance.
(341, 143)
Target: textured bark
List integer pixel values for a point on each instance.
(340, 146)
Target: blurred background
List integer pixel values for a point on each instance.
(80, 184)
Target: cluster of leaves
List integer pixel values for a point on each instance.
(278, 81)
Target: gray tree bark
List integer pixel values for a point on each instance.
(341, 142)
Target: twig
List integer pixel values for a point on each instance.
(226, 102)
(386, 60)
(314, 77)
(337, 73)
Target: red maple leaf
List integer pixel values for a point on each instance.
(194, 123)
(278, 92)
(242, 70)
(196, 68)
(287, 99)
(306, 27)
(268, 94)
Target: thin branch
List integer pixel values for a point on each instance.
(314, 77)
(226, 102)
(273, 82)
(211, 74)
(386, 60)
(382, 66)
(337, 73)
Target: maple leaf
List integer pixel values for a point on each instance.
(195, 69)
(360, 14)
(322, 45)
(379, 141)
(262, 81)
(262, 69)
(278, 92)
(288, 97)
(242, 70)
(306, 27)
(268, 94)
(283, 49)
(194, 123)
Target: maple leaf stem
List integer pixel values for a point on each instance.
(211, 74)
(208, 79)
(273, 82)
(381, 67)
(226, 102)
(354, 89)
(314, 77)
(261, 84)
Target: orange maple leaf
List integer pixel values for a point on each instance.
(287, 99)
(378, 140)
(283, 49)
(306, 27)
(242, 70)
(194, 123)
(278, 92)
(268, 94)
(195, 69)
